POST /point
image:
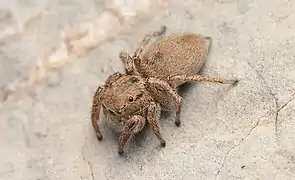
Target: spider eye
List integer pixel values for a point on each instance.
(131, 99)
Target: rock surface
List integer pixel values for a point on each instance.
(241, 132)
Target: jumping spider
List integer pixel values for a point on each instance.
(150, 83)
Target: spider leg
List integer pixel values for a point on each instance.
(176, 97)
(96, 105)
(199, 78)
(146, 40)
(128, 62)
(134, 125)
(153, 119)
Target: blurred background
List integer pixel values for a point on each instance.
(55, 53)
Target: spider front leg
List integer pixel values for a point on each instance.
(128, 62)
(133, 126)
(96, 105)
(146, 40)
(171, 91)
(153, 118)
(199, 78)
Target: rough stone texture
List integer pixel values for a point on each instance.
(241, 132)
(38, 36)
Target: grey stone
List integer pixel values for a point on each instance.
(241, 132)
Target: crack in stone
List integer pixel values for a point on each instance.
(286, 103)
(88, 162)
(238, 144)
(277, 109)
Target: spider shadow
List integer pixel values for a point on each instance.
(140, 139)
(185, 88)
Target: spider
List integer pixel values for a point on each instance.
(131, 99)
